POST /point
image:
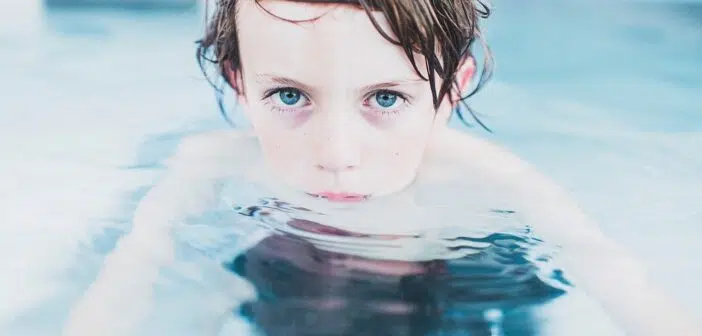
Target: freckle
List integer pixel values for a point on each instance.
(397, 154)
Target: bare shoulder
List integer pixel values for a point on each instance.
(215, 152)
(478, 155)
(541, 202)
(188, 185)
(214, 145)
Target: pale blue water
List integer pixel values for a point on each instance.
(605, 98)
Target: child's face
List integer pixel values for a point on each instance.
(336, 107)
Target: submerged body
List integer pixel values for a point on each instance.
(492, 290)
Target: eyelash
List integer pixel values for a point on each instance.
(278, 109)
(384, 113)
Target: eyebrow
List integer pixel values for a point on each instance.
(280, 80)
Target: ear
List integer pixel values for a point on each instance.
(464, 75)
(235, 78)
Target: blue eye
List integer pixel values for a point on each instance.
(385, 99)
(289, 96)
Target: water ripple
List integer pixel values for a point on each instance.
(315, 279)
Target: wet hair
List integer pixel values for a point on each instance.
(443, 31)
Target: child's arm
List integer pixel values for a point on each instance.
(601, 267)
(604, 269)
(120, 297)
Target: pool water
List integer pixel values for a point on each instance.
(603, 97)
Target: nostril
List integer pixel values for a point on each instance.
(335, 168)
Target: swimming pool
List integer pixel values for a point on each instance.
(604, 98)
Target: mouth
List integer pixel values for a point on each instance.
(341, 197)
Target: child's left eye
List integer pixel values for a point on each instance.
(385, 100)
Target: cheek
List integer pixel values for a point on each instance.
(406, 149)
(281, 150)
(410, 143)
(277, 141)
(259, 116)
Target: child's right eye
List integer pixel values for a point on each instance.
(288, 98)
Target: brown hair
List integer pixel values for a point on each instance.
(443, 31)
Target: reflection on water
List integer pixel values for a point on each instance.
(315, 284)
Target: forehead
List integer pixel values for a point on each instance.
(342, 42)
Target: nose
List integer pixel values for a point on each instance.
(337, 145)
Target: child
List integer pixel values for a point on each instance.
(349, 102)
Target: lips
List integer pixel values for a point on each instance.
(341, 197)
